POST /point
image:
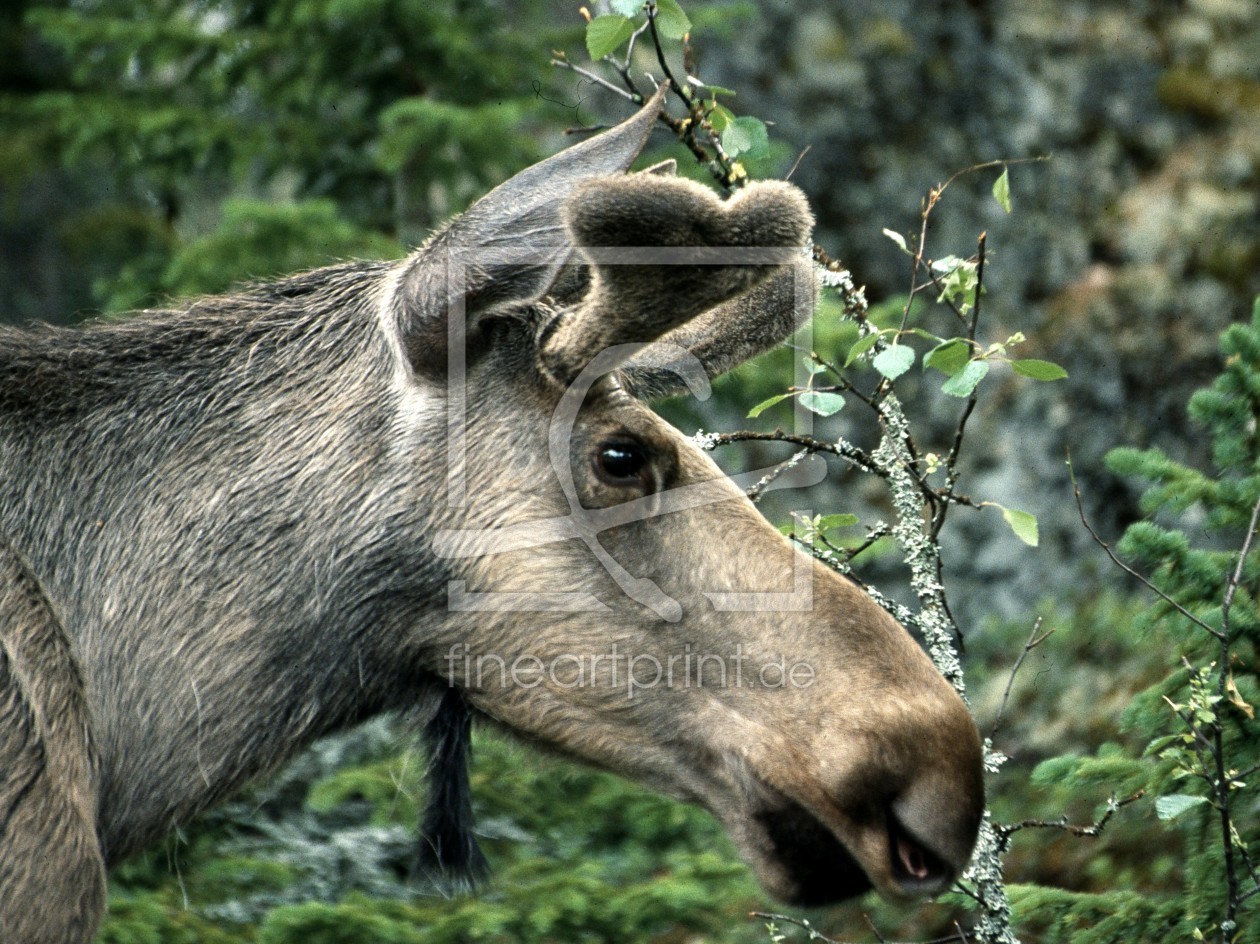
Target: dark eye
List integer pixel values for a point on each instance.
(621, 463)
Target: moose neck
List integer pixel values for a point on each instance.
(273, 443)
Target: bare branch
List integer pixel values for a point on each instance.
(815, 935)
(797, 163)
(1236, 578)
(1091, 830)
(1080, 508)
(1034, 640)
(564, 63)
(842, 449)
(758, 489)
(951, 461)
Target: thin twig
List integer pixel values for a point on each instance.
(815, 935)
(1080, 508)
(1236, 578)
(842, 449)
(1092, 830)
(598, 80)
(674, 84)
(797, 163)
(951, 461)
(1223, 780)
(1034, 640)
(758, 489)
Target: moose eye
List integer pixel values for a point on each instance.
(621, 463)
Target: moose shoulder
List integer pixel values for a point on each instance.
(230, 529)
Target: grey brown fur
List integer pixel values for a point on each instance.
(224, 532)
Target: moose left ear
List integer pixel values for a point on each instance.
(508, 246)
(663, 251)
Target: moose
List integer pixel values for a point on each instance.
(230, 529)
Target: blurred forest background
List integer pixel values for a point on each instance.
(175, 147)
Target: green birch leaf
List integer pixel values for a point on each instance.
(898, 239)
(861, 346)
(671, 21)
(626, 7)
(894, 360)
(1023, 524)
(1170, 807)
(1002, 190)
(963, 383)
(949, 358)
(708, 89)
(1038, 370)
(766, 404)
(821, 402)
(605, 33)
(746, 135)
(948, 264)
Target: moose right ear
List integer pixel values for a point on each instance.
(508, 247)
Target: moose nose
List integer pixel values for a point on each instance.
(932, 829)
(916, 868)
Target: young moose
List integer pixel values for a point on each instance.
(230, 529)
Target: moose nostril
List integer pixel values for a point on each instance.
(911, 860)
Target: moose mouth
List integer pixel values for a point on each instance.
(807, 865)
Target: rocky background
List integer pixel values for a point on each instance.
(1126, 254)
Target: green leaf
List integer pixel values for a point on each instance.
(1170, 807)
(894, 360)
(821, 402)
(720, 117)
(709, 89)
(746, 135)
(861, 346)
(1038, 370)
(949, 358)
(898, 239)
(959, 284)
(671, 21)
(766, 404)
(812, 365)
(1023, 524)
(605, 33)
(963, 382)
(948, 264)
(844, 520)
(626, 7)
(1002, 189)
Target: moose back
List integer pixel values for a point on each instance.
(434, 486)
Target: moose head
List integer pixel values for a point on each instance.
(230, 529)
(618, 597)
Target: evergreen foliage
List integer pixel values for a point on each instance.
(1202, 747)
(283, 134)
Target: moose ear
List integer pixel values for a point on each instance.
(507, 248)
(663, 252)
(725, 336)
